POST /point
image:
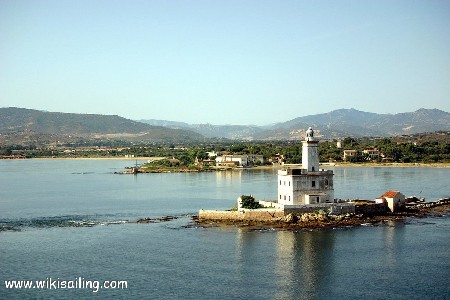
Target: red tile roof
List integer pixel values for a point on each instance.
(390, 194)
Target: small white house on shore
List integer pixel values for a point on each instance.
(394, 199)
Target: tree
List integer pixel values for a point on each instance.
(249, 202)
(202, 155)
(350, 142)
(6, 150)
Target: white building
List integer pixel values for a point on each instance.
(308, 184)
(239, 160)
(212, 154)
(372, 153)
(394, 199)
(349, 153)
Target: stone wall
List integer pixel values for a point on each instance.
(271, 204)
(372, 209)
(334, 208)
(243, 215)
(274, 214)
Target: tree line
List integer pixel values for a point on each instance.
(405, 150)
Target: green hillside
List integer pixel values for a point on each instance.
(28, 122)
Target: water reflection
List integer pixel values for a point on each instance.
(228, 177)
(393, 235)
(303, 262)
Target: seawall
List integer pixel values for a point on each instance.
(333, 208)
(274, 214)
(242, 215)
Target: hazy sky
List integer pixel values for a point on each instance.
(224, 62)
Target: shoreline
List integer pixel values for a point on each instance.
(268, 167)
(381, 165)
(343, 221)
(85, 158)
(367, 165)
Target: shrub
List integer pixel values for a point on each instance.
(249, 202)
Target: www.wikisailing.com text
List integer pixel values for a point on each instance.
(55, 284)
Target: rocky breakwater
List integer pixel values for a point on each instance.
(156, 220)
(310, 220)
(322, 219)
(422, 205)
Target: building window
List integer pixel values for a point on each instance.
(318, 200)
(284, 182)
(326, 182)
(280, 196)
(313, 183)
(289, 183)
(284, 197)
(312, 169)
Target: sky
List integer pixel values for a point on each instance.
(224, 62)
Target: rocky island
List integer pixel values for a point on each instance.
(305, 199)
(325, 220)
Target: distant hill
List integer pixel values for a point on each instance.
(335, 124)
(20, 125)
(27, 122)
(352, 122)
(164, 123)
(240, 132)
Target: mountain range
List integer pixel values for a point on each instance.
(55, 126)
(335, 124)
(25, 124)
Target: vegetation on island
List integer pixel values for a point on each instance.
(186, 163)
(249, 202)
(418, 148)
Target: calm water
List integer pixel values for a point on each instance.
(67, 219)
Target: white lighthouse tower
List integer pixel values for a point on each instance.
(310, 152)
(308, 184)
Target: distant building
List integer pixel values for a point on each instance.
(174, 160)
(211, 154)
(308, 184)
(238, 160)
(394, 199)
(226, 163)
(277, 160)
(339, 144)
(372, 153)
(349, 153)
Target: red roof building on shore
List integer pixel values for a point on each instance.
(389, 194)
(394, 199)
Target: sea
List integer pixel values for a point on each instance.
(67, 227)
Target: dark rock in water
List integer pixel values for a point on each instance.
(146, 220)
(167, 218)
(156, 220)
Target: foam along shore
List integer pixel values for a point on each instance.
(275, 219)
